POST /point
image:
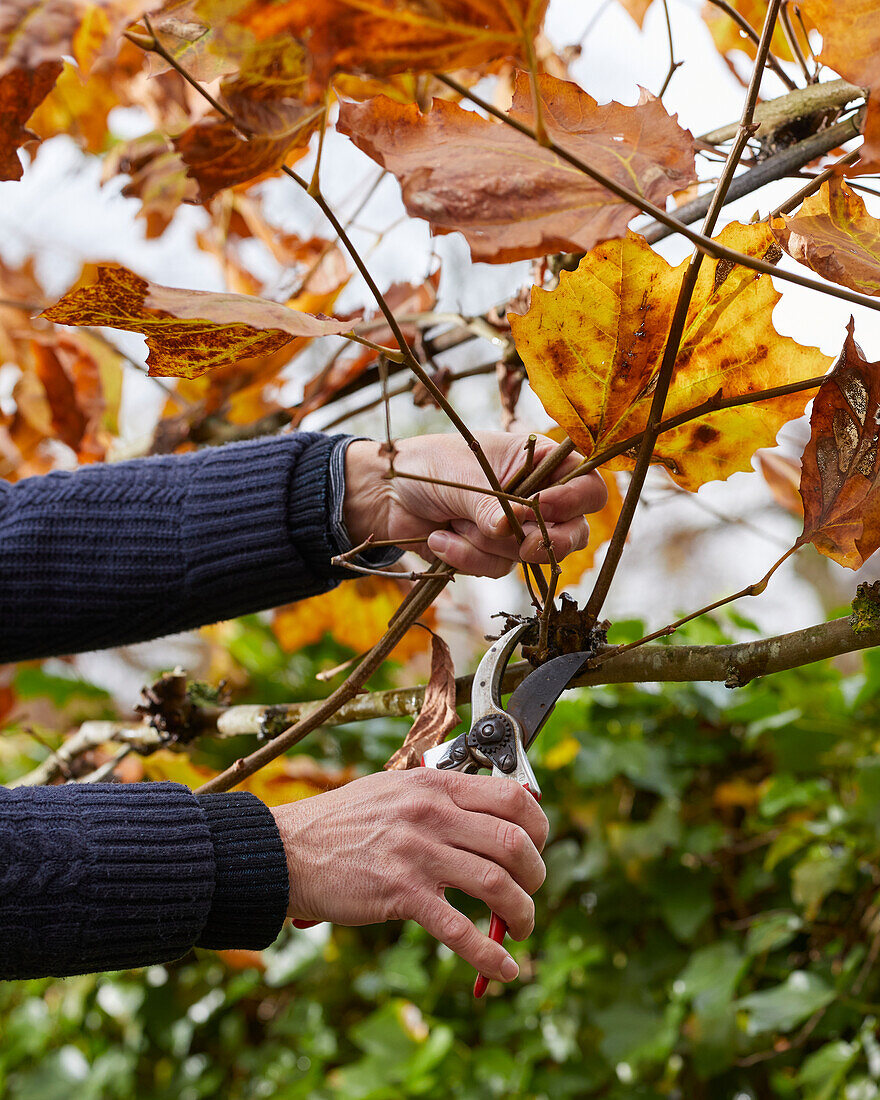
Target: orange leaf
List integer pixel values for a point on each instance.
(273, 125)
(438, 716)
(21, 90)
(356, 614)
(850, 32)
(188, 331)
(841, 466)
(638, 9)
(728, 36)
(782, 476)
(158, 178)
(834, 234)
(592, 348)
(384, 37)
(511, 198)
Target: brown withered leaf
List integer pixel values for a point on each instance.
(21, 91)
(386, 37)
(438, 716)
(159, 179)
(834, 234)
(592, 348)
(840, 477)
(783, 476)
(511, 198)
(188, 331)
(272, 123)
(71, 378)
(850, 32)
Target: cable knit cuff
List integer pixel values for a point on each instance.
(251, 884)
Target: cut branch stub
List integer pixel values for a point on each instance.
(511, 198)
(840, 478)
(188, 331)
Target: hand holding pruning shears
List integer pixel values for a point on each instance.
(386, 846)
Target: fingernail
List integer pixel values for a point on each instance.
(509, 969)
(438, 542)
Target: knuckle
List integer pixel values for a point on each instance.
(513, 840)
(453, 928)
(493, 880)
(417, 809)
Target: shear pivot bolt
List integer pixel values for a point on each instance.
(507, 762)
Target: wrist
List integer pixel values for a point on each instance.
(365, 506)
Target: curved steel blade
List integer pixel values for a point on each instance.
(533, 701)
(486, 689)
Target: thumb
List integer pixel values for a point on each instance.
(488, 514)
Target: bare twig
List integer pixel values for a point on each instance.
(673, 64)
(746, 27)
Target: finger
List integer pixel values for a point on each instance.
(564, 537)
(505, 844)
(487, 881)
(463, 556)
(449, 926)
(582, 494)
(504, 798)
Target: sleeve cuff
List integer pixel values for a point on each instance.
(251, 886)
(382, 556)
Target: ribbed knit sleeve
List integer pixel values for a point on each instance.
(113, 876)
(113, 554)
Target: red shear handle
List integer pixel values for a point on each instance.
(497, 927)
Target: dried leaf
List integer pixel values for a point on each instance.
(188, 331)
(159, 179)
(394, 36)
(783, 476)
(356, 614)
(850, 33)
(272, 124)
(841, 471)
(513, 199)
(438, 716)
(593, 346)
(834, 234)
(21, 91)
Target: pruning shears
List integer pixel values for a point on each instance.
(500, 736)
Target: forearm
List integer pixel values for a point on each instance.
(113, 554)
(107, 877)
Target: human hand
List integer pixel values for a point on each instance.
(386, 846)
(477, 539)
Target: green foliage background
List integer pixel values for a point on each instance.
(709, 927)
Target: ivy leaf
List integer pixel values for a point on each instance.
(785, 1006)
(438, 716)
(850, 33)
(511, 198)
(396, 36)
(841, 470)
(834, 234)
(592, 348)
(188, 331)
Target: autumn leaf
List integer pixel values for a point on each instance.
(593, 346)
(188, 331)
(385, 37)
(438, 716)
(159, 179)
(840, 475)
(356, 614)
(850, 32)
(513, 199)
(783, 476)
(21, 91)
(638, 9)
(728, 36)
(834, 234)
(72, 381)
(272, 124)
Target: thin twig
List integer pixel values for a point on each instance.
(676, 332)
(673, 64)
(813, 186)
(746, 27)
(793, 44)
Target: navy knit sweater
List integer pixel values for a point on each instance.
(106, 876)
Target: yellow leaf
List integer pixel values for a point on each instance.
(562, 754)
(592, 348)
(355, 614)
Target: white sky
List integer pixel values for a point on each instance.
(60, 213)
